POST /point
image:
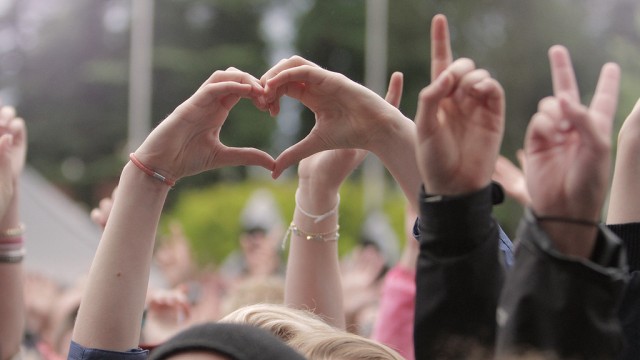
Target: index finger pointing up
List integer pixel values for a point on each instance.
(441, 56)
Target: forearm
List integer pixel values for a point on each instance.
(623, 207)
(110, 315)
(313, 273)
(574, 301)
(12, 310)
(459, 276)
(397, 152)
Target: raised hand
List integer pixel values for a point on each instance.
(348, 115)
(460, 121)
(187, 142)
(13, 150)
(567, 150)
(512, 179)
(15, 128)
(168, 312)
(622, 208)
(320, 178)
(100, 214)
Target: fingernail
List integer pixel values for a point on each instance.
(564, 125)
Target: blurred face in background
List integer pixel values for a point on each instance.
(174, 257)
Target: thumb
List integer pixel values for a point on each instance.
(306, 147)
(232, 156)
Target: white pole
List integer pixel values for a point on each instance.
(140, 72)
(376, 80)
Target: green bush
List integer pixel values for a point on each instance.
(211, 216)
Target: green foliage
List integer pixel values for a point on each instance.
(211, 216)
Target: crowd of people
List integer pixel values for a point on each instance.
(568, 289)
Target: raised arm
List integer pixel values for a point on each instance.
(13, 147)
(623, 218)
(348, 115)
(185, 143)
(568, 155)
(313, 274)
(460, 122)
(626, 176)
(561, 298)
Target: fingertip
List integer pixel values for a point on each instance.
(611, 67)
(273, 110)
(556, 50)
(611, 74)
(277, 170)
(439, 19)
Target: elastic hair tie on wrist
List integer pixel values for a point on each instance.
(581, 222)
(151, 172)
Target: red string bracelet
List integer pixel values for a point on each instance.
(150, 172)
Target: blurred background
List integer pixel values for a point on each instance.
(78, 71)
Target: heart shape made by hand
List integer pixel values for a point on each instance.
(348, 115)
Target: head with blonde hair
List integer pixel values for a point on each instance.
(309, 334)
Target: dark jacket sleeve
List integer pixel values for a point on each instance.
(559, 305)
(459, 276)
(630, 307)
(79, 352)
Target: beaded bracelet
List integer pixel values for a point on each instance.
(151, 172)
(13, 232)
(328, 236)
(325, 237)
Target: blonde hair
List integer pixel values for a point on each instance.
(254, 290)
(307, 333)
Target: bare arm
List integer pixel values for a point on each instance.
(186, 143)
(12, 156)
(313, 274)
(623, 207)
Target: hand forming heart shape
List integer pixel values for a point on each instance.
(348, 115)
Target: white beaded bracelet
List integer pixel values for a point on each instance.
(325, 237)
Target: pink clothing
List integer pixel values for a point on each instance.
(394, 323)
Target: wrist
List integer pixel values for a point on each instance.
(397, 129)
(143, 181)
(571, 236)
(316, 199)
(11, 218)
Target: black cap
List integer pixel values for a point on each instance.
(238, 341)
